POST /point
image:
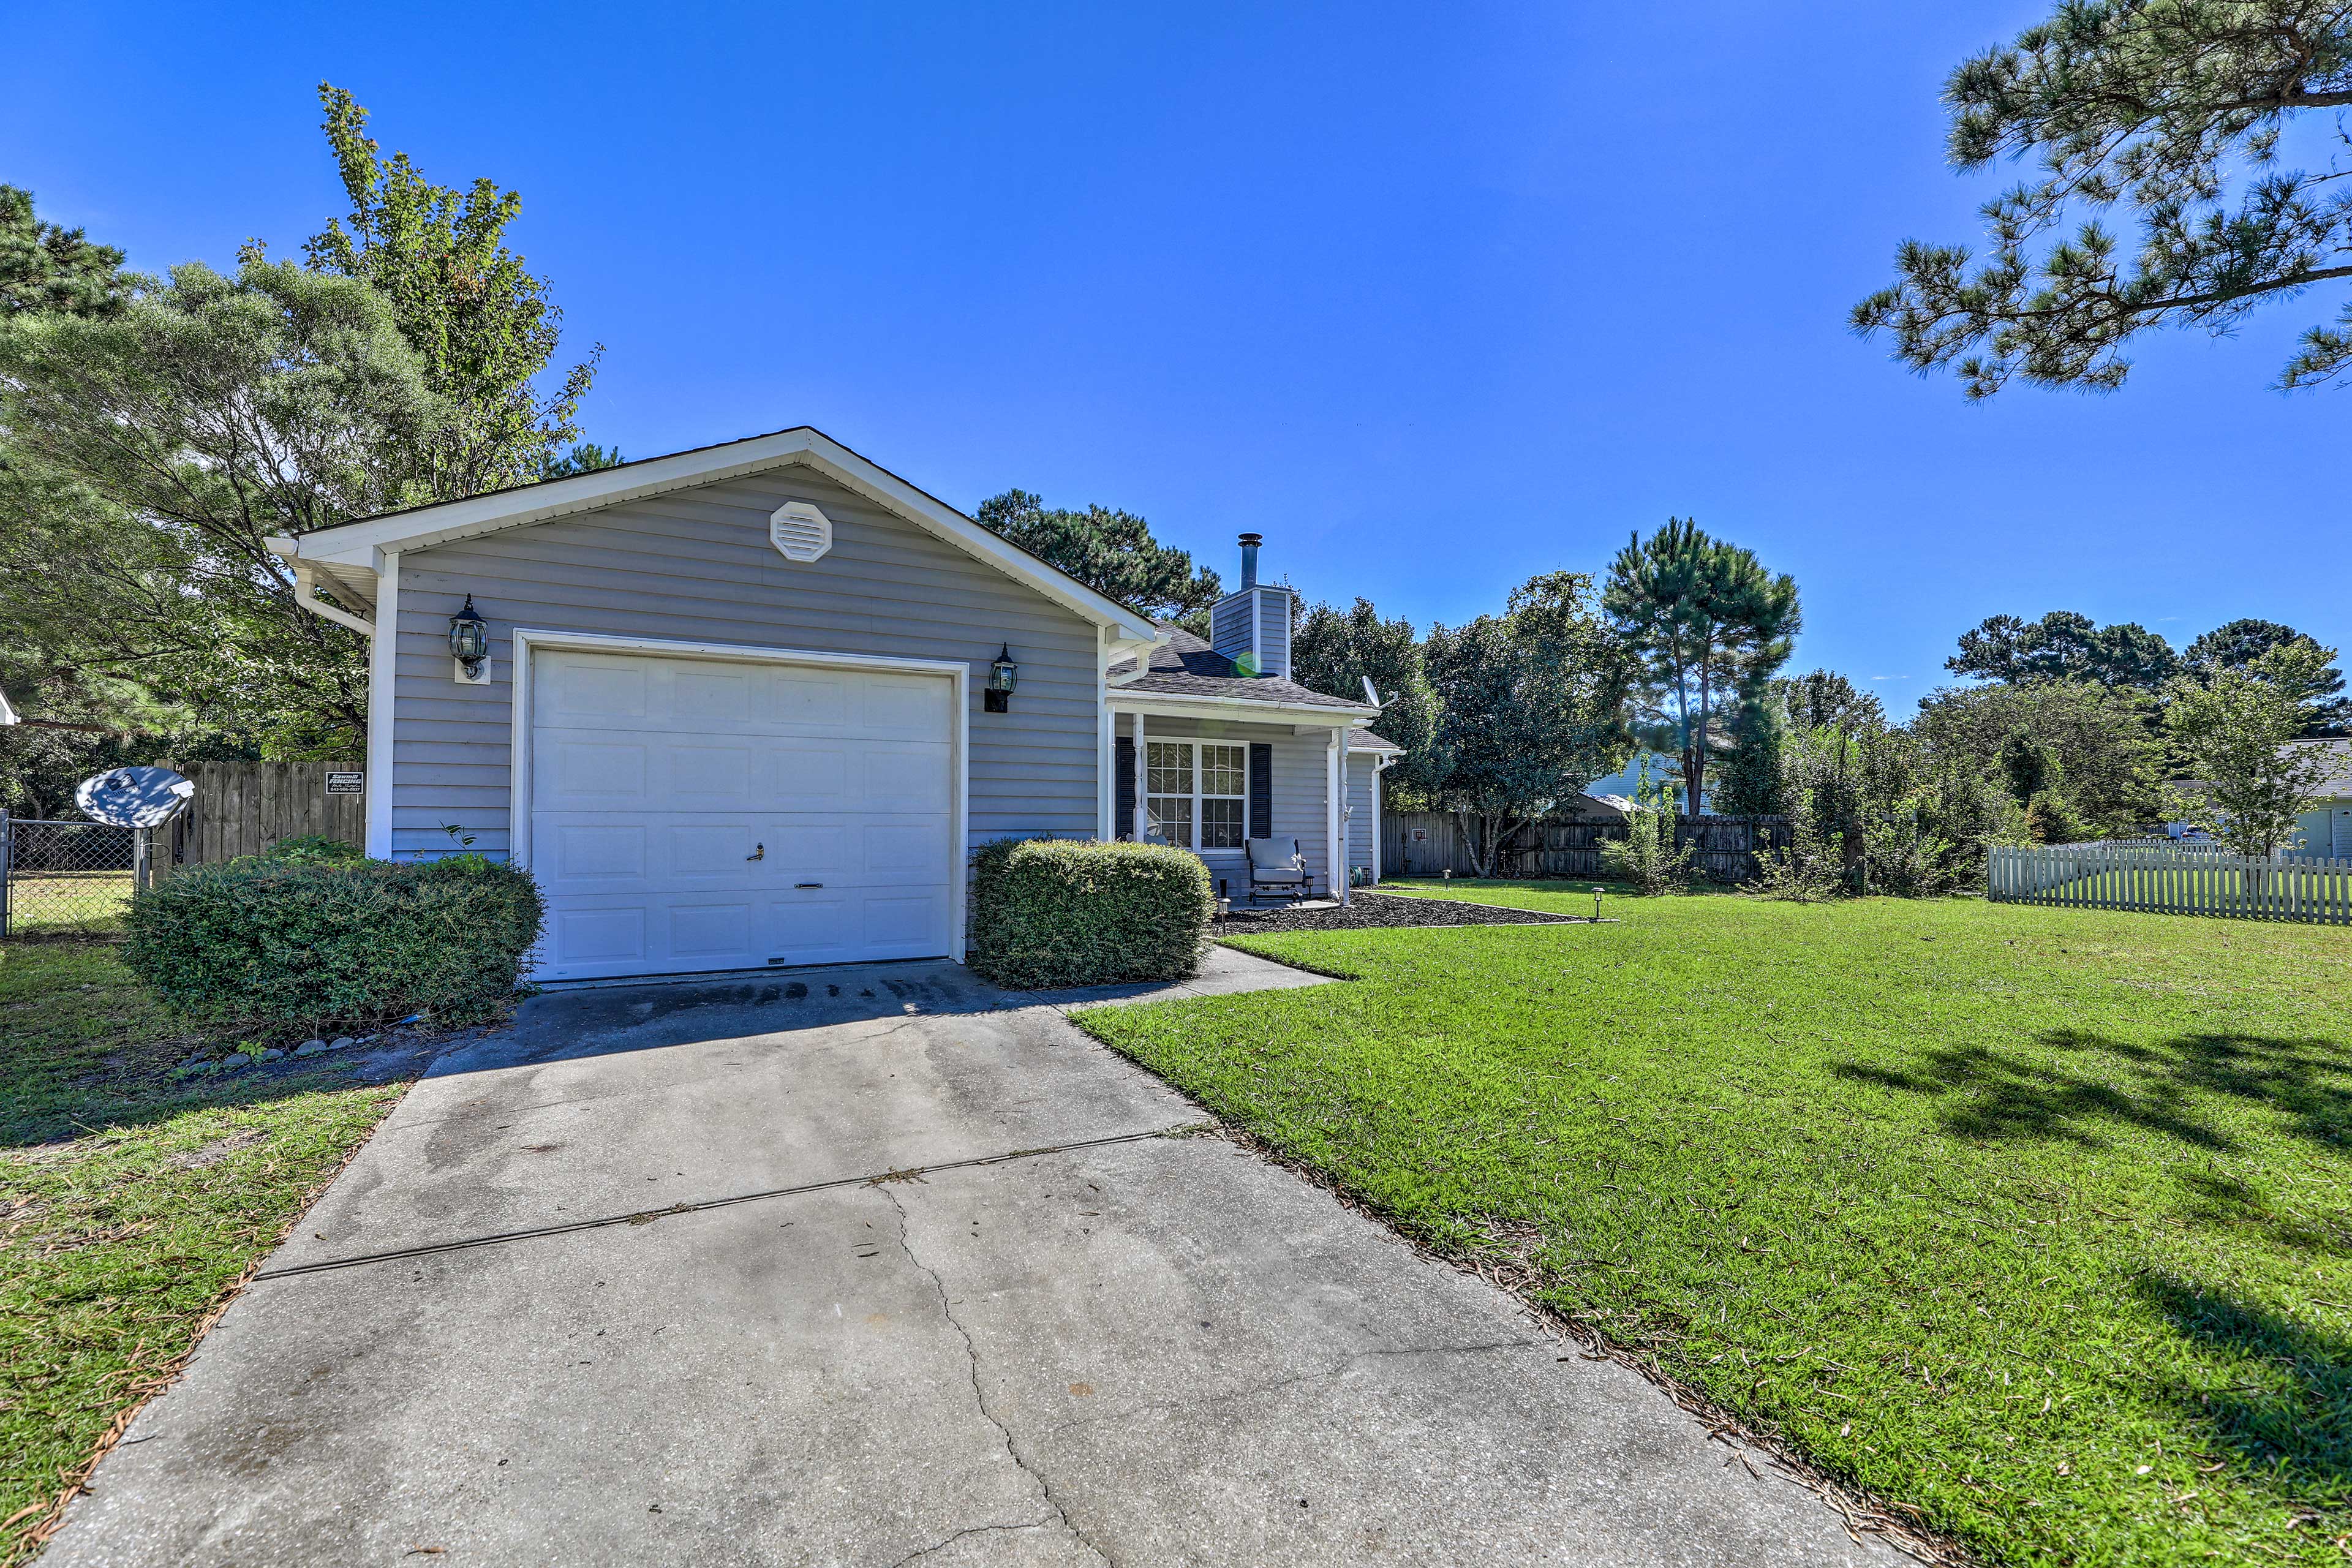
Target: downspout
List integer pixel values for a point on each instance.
(1335, 775)
(306, 583)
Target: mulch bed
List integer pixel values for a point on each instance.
(1374, 910)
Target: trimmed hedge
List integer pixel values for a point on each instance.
(1052, 912)
(316, 947)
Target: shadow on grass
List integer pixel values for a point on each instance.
(2286, 1403)
(105, 1100)
(2306, 1082)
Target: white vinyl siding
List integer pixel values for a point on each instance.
(697, 566)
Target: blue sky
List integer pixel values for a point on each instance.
(1432, 300)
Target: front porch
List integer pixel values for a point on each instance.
(1207, 777)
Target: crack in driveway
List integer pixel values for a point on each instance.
(980, 1396)
(937, 1546)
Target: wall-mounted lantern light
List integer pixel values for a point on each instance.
(470, 643)
(1004, 675)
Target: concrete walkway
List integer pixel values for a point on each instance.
(621, 1286)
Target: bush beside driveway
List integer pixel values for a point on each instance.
(2035, 1222)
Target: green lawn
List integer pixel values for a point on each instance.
(131, 1202)
(81, 903)
(2038, 1221)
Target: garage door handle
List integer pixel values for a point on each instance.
(808, 884)
(758, 852)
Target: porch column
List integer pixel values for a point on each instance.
(1335, 791)
(1142, 781)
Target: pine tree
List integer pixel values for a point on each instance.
(2170, 113)
(1112, 552)
(46, 268)
(1709, 625)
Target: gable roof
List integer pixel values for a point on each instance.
(2338, 752)
(1185, 666)
(358, 547)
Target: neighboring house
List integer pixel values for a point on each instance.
(1624, 785)
(733, 709)
(2328, 829)
(2324, 832)
(7, 714)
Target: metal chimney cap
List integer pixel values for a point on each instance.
(1253, 539)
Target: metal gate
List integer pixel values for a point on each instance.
(70, 879)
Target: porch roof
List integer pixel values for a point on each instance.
(1185, 668)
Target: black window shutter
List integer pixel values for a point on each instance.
(1261, 790)
(1123, 793)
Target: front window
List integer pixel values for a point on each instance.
(1196, 792)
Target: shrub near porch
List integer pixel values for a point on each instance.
(2039, 1222)
(1050, 912)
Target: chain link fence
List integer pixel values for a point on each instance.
(70, 879)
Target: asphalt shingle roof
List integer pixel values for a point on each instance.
(1185, 666)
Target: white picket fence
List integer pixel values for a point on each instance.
(2164, 881)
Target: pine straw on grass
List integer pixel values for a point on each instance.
(133, 1207)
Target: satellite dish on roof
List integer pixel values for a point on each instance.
(134, 797)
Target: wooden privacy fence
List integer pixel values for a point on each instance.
(243, 808)
(2105, 877)
(1430, 843)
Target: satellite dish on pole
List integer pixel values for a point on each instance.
(134, 797)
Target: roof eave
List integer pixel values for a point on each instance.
(1130, 698)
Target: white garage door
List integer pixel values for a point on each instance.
(693, 814)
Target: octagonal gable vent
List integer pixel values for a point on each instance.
(799, 530)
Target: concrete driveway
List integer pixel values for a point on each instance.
(647, 1280)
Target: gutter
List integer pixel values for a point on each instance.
(306, 583)
(1258, 705)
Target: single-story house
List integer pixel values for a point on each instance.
(1655, 768)
(2326, 830)
(751, 705)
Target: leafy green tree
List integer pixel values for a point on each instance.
(2237, 727)
(1112, 552)
(1532, 707)
(481, 323)
(2169, 113)
(44, 267)
(1753, 777)
(1747, 782)
(1336, 651)
(2092, 747)
(2064, 646)
(2239, 644)
(1812, 866)
(175, 437)
(1709, 626)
